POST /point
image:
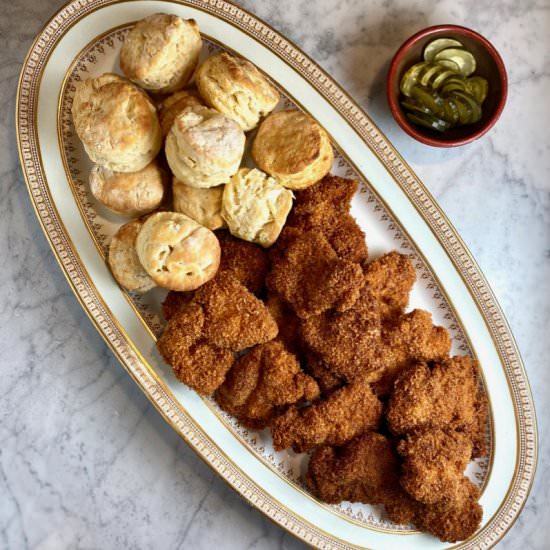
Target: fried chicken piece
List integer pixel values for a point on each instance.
(233, 317)
(288, 323)
(327, 380)
(195, 361)
(438, 397)
(365, 470)
(307, 274)
(174, 301)
(347, 343)
(346, 413)
(410, 339)
(325, 207)
(391, 279)
(433, 464)
(261, 382)
(247, 261)
(478, 429)
(454, 520)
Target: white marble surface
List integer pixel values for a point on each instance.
(85, 461)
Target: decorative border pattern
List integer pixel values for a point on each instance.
(441, 227)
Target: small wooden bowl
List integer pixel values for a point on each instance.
(489, 65)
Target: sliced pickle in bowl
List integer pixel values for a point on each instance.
(435, 46)
(428, 121)
(465, 61)
(410, 78)
(412, 105)
(432, 100)
(464, 109)
(478, 87)
(475, 109)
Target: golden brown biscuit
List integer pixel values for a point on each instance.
(293, 148)
(255, 206)
(177, 252)
(161, 52)
(116, 122)
(124, 261)
(204, 148)
(174, 104)
(129, 193)
(236, 88)
(202, 205)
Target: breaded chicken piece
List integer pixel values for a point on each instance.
(288, 323)
(174, 301)
(410, 339)
(233, 317)
(454, 520)
(247, 261)
(195, 361)
(365, 470)
(263, 381)
(347, 343)
(308, 275)
(325, 207)
(433, 464)
(345, 414)
(391, 279)
(443, 396)
(478, 429)
(327, 380)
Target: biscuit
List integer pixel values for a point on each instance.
(129, 193)
(124, 262)
(161, 52)
(236, 88)
(202, 205)
(174, 104)
(204, 148)
(177, 252)
(255, 206)
(116, 122)
(293, 148)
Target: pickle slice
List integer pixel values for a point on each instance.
(441, 78)
(431, 72)
(410, 78)
(451, 65)
(412, 105)
(431, 100)
(428, 121)
(451, 111)
(435, 46)
(475, 109)
(478, 87)
(464, 59)
(464, 109)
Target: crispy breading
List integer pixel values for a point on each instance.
(347, 343)
(346, 413)
(247, 261)
(409, 339)
(308, 275)
(325, 207)
(194, 361)
(174, 301)
(433, 464)
(263, 381)
(233, 317)
(442, 396)
(478, 429)
(287, 321)
(453, 520)
(365, 470)
(327, 380)
(391, 278)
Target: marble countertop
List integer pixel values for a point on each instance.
(85, 460)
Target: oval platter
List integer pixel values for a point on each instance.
(392, 206)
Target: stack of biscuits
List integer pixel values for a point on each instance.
(172, 118)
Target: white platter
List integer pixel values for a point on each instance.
(393, 207)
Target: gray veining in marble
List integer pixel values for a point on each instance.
(85, 461)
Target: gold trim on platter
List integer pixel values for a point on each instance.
(495, 528)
